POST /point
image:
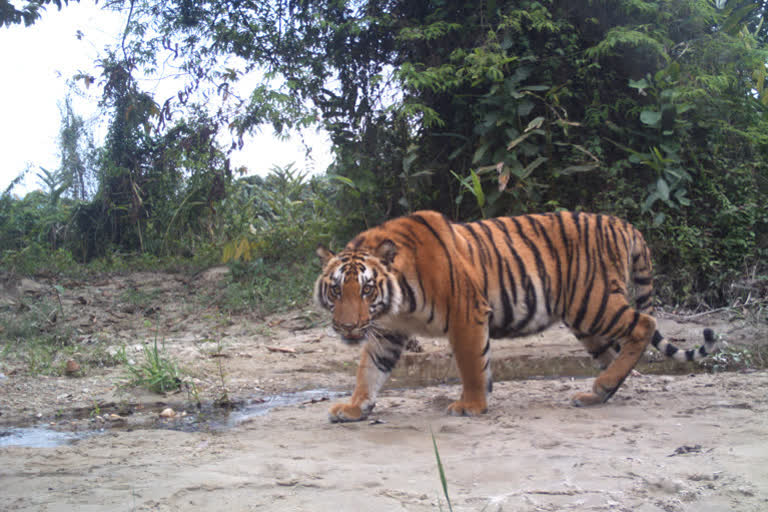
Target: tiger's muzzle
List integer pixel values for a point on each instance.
(351, 334)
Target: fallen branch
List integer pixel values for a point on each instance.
(281, 349)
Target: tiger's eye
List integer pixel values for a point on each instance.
(335, 290)
(367, 289)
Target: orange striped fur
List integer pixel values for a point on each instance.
(502, 277)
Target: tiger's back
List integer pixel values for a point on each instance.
(537, 269)
(506, 277)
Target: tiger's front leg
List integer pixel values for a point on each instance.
(377, 359)
(471, 348)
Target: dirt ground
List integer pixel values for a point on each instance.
(672, 439)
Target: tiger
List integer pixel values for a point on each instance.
(423, 274)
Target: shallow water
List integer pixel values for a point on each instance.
(208, 418)
(39, 437)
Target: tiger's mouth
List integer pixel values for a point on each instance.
(352, 336)
(352, 340)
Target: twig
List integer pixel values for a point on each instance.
(704, 313)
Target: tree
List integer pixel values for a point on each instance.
(29, 14)
(76, 153)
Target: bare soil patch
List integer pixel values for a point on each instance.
(672, 439)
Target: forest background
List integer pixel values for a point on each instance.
(655, 111)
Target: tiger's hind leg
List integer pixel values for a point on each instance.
(378, 357)
(602, 350)
(634, 331)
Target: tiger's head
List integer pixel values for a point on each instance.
(358, 286)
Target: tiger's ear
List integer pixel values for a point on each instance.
(386, 252)
(324, 253)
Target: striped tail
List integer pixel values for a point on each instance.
(694, 354)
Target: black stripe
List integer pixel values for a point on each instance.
(426, 224)
(615, 319)
(633, 323)
(657, 337)
(511, 275)
(484, 257)
(640, 301)
(568, 282)
(555, 255)
(642, 281)
(574, 277)
(423, 292)
(385, 364)
(603, 302)
(589, 273)
(530, 302)
(546, 279)
(486, 348)
(405, 287)
(540, 267)
(506, 307)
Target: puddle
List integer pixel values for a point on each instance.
(263, 406)
(39, 437)
(218, 419)
(142, 417)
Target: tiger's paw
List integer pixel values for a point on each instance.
(463, 408)
(342, 413)
(586, 399)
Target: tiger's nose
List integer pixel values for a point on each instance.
(345, 326)
(350, 331)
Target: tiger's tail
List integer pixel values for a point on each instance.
(642, 275)
(694, 354)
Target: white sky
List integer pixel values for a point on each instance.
(37, 61)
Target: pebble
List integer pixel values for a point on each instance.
(72, 367)
(167, 413)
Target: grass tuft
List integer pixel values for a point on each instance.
(157, 373)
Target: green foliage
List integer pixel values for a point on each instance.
(272, 227)
(30, 334)
(279, 218)
(29, 14)
(157, 372)
(264, 288)
(651, 110)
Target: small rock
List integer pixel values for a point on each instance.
(115, 417)
(167, 413)
(72, 368)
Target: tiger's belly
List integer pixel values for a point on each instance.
(519, 320)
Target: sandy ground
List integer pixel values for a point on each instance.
(673, 442)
